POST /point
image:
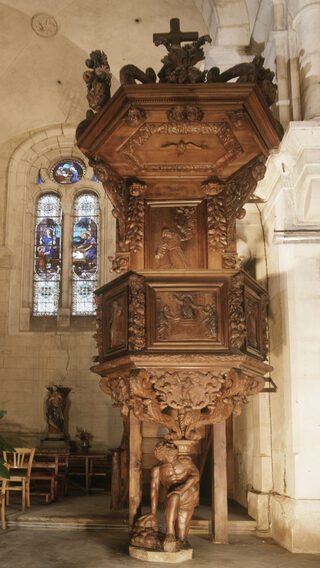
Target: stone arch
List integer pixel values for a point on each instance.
(37, 153)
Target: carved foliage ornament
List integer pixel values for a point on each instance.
(135, 223)
(217, 223)
(236, 311)
(137, 338)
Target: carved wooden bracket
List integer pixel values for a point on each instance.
(201, 397)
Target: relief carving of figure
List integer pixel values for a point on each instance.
(170, 250)
(163, 322)
(117, 325)
(210, 320)
(187, 307)
(180, 478)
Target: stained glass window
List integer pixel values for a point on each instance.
(68, 171)
(85, 253)
(47, 256)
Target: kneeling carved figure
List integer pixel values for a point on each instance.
(180, 478)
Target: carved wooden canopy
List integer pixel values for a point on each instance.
(181, 132)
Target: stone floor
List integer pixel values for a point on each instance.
(29, 541)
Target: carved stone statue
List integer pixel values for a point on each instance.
(55, 410)
(180, 478)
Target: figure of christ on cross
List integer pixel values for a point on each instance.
(174, 38)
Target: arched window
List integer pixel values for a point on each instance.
(85, 253)
(47, 255)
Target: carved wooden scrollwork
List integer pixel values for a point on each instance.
(200, 397)
(217, 223)
(236, 311)
(242, 185)
(112, 182)
(137, 316)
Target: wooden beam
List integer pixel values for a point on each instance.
(219, 485)
(135, 459)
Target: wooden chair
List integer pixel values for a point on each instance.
(20, 464)
(3, 486)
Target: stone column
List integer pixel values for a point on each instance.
(287, 494)
(306, 23)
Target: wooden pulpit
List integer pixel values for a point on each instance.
(182, 331)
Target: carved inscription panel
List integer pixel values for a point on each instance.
(186, 317)
(174, 236)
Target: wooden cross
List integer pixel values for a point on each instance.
(175, 36)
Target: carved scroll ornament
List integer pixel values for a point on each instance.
(242, 185)
(112, 182)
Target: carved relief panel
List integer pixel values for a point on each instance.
(114, 315)
(174, 237)
(186, 315)
(256, 323)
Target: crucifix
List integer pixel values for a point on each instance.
(174, 38)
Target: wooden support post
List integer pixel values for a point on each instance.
(115, 480)
(135, 459)
(219, 485)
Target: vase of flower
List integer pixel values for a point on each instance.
(85, 438)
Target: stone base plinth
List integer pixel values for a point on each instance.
(161, 556)
(54, 444)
